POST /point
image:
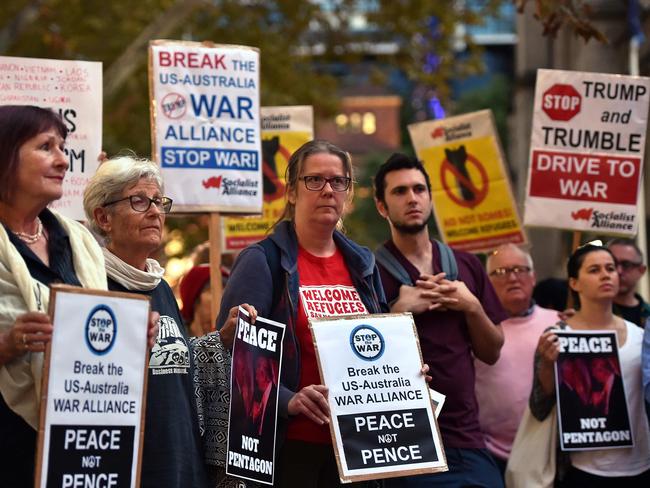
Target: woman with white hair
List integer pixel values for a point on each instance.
(125, 204)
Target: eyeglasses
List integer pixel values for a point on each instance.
(317, 183)
(626, 265)
(141, 203)
(504, 272)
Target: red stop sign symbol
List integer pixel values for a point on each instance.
(561, 102)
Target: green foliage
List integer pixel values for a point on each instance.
(495, 96)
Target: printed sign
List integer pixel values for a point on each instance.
(254, 380)
(382, 420)
(284, 129)
(587, 149)
(206, 125)
(592, 406)
(72, 89)
(470, 191)
(94, 393)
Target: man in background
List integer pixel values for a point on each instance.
(629, 264)
(502, 390)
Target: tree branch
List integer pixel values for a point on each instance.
(124, 66)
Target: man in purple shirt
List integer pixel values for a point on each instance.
(455, 321)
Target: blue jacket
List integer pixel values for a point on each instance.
(251, 282)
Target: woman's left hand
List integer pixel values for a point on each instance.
(152, 330)
(227, 332)
(30, 333)
(424, 371)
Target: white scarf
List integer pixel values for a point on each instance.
(20, 379)
(133, 278)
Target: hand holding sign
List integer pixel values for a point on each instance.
(311, 401)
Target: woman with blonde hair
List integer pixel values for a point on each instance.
(306, 252)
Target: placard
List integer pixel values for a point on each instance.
(587, 149)
(205, 125)
(72, 89)
(284, 130)
(470, 190)
(592, 406)
(382, 421)
(254, 381)
(94, 387)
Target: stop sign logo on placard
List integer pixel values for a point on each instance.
(561, 102)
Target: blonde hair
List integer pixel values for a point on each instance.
(296, 163)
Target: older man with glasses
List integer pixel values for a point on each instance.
(629, 264)
(502, 390)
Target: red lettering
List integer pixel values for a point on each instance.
(179, 59)
(164, 59)
(345, 294)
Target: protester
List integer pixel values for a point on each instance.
(125, 204)
(594, 280)
(305, 250)
(629, 264)
(38, 247)
(455, 318)
(196, 296)
(502, 390)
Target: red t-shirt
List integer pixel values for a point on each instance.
(326, 290)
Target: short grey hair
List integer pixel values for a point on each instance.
(514, 247)
(111, 179)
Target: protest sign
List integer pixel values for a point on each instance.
(592, 406)
(284, 129)
(206, 125)
(586, 154)
(470, 191)
(93, 405)
(254, 380)
(73, 89)
(382, 421)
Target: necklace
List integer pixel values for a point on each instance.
(31, 238)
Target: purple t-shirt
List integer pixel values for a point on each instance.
(446, 346)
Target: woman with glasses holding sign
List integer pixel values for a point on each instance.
(125, 204)
(286, 278)
(38, 247)
(593, 280)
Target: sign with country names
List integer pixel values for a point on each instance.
(93, 399)
(205, 124)
(382, 420)
(284, 130)
(73, 89)
(471, 194)
(587, 149)
(592, 404)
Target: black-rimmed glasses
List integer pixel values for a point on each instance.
(141, 203)
(504, 272)
(626, 265)
(317, 182)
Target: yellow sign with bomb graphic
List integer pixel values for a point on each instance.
(471, 195)
(284, 129)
